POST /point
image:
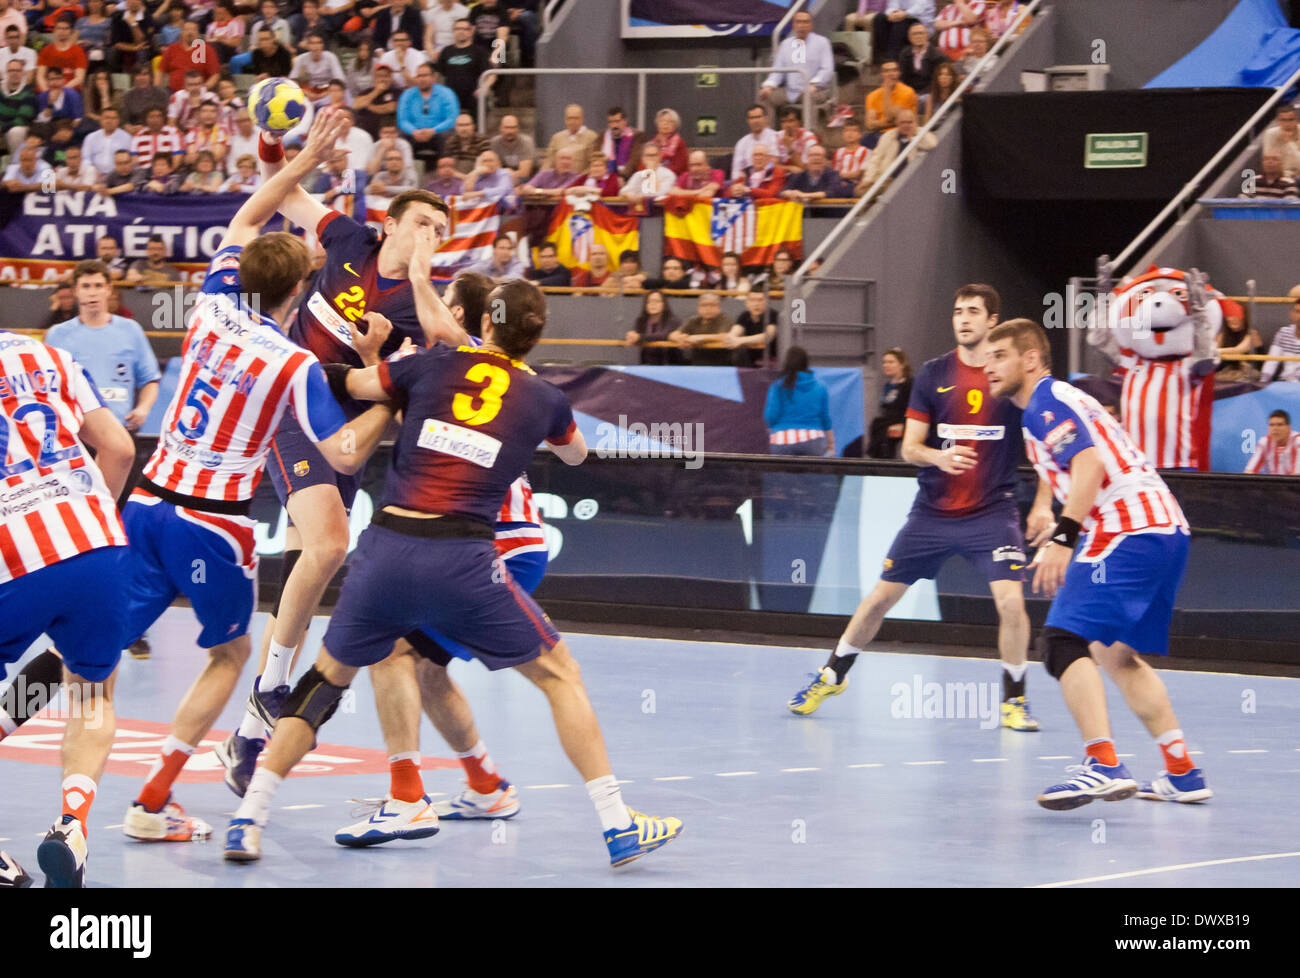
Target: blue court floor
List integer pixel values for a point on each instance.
(868, 792)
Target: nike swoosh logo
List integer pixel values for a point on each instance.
(348, 266)
(1017, 566)
(942, 390)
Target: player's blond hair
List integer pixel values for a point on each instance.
(272, 265)
(1025, 335)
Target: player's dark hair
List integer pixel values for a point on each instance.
(1279, 413)
(271, 265)
(992, 301)
(518, 316)
(89, 267)
(897, 353)
(795, 363)
(1025, 335)
(404, 200)
(470, 292)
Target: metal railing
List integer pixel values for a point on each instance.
(1181, 201)
(781, 25)
(548, 13)
(488, 77)
(901, 160)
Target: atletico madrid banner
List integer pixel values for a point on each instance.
(574, 230)
(755, 230)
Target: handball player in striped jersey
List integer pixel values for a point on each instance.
(1111, 564)
(187, 519)
(63, 556)
(472, 418)
(968, 445)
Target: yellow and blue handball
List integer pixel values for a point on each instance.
(276, 105)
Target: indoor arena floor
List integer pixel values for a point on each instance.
(864, 793)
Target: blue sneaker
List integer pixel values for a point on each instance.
(238, 755)
(267, 703)
(1091, 780)
(243, 841)
(645, 834)
(391, 820)
(1188, 788)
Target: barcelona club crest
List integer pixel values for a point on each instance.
(301, 468)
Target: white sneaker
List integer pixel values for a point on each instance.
(12, 876)
(62, 855)
(501, 803)
(169, 825)
(392, 820)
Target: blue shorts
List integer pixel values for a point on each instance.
(527, 569)
(297, 463)
(78, 602)
(1126, 597)
(208, 558)
(397, 583)
(990, 539)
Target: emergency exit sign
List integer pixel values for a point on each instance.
(1115, 150)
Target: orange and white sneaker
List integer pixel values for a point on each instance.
(501, 803)
(392, 820)
(169, 825)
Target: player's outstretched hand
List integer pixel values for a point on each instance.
(1039, 526)
(1050, 566)
(325, 132)
(369, 343)
(957, 459)
(426, 243)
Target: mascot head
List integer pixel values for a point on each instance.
(1152, 314)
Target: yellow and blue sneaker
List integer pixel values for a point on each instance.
(1016, 715)
(243, 841)
(645, 834)
(810, 697)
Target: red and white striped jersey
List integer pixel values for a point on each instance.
(954, 41)
(1059, 422)
(1270, 458)
(794, 436)
(238, 375)
(851, 159)
(54, 503)
(519, 524)
(1158, 402)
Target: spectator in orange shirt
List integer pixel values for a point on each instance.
(64, 53)
(189, 53)
(885, 102)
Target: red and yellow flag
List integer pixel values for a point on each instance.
(574, 231)
(755, 230)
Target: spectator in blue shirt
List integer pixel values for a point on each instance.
(817, 181)
(425, 112)
(806, 50)
(112, 348)
(503, 264)
(798, 412)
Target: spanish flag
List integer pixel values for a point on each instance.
(755, 230)
(575, 227)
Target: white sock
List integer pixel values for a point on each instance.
(1016, 673)
(607, 798)
(257, 799)
(480, 752)
(844, 648)
(252, 726)
(279, 660)
(1165, 739)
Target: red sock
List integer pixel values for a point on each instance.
(407, 785)
(1174, 749)
(78, 793)
(480, 772)
(1103, 750)
(158, 785)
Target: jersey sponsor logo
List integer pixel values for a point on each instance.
(475, 447)
(210, 459)
(301, 468)
(81, 481)
(319, 307)
(348, 266)
(227, 261)
(1061, 435)
(112, 394)
(945, 390)
(1008, 553)
(972, 432)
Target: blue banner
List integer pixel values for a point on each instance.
(43, 235)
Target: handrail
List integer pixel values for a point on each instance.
(901, 160)
(1189, 188)
(776, 31)
(490, 76)
(548, 13)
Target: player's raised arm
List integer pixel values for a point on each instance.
(280, 191)
(436, 320)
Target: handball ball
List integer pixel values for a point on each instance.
(276, 105)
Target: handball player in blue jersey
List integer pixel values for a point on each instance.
(968, 445)
(362, 274)
(472, 418)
